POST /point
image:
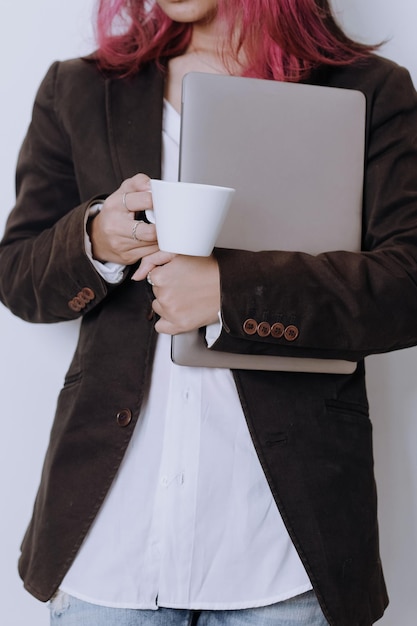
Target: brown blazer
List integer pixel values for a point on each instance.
(311, 431)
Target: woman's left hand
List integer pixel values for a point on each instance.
(186, 289)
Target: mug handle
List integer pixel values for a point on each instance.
(150, 215)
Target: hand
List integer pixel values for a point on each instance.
(114, 233)
(187, 292)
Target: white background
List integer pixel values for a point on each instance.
(33, 359)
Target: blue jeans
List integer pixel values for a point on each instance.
(302, 610)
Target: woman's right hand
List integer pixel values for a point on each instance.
(115, 234)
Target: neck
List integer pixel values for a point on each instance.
(211, 47)
(208, 61)
(209, 37)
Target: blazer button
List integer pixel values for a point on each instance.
(263, 329)
(277, 330)
(124, 417)
(291, 333)
(76, 305)
(250, 326)
(87, 294)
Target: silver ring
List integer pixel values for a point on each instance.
(124, 200)
(149, 279)
(135, 225)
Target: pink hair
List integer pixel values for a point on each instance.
(283, 39)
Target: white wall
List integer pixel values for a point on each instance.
(33, 359)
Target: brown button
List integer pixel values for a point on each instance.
(76, 305)
(291, 333)
(79, 301)
(80, 296)
(277, 330)
(263, 329)
(87, 294)
(250, 326)
(124, 417)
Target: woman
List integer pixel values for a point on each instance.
(183, 495)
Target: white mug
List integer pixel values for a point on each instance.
(188, 216)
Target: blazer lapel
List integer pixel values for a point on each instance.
(134, 121)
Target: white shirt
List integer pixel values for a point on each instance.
(190, 521)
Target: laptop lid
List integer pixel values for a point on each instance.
(295, 155)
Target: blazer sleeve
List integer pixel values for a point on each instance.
(45, 273)
(340, 304)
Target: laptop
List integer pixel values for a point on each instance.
(295, 155)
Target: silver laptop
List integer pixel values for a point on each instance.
(295, 155)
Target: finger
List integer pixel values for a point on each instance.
(134, 201)
(150, 262)
(138, 275)
(126, 203)
(141, 231)
(139, 182)
(163, 325)
(122, 199)
(166, 328)
(129, 257)
(135, 186)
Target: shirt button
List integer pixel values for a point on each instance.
(291, 333)
(124, 417)
(250, 326)
(164, 481)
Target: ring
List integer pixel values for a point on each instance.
(124, 200)
(149, 279)
(135, 225)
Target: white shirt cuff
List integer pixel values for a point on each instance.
(213, 331)
(111, 272)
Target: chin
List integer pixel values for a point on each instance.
(189, 11)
